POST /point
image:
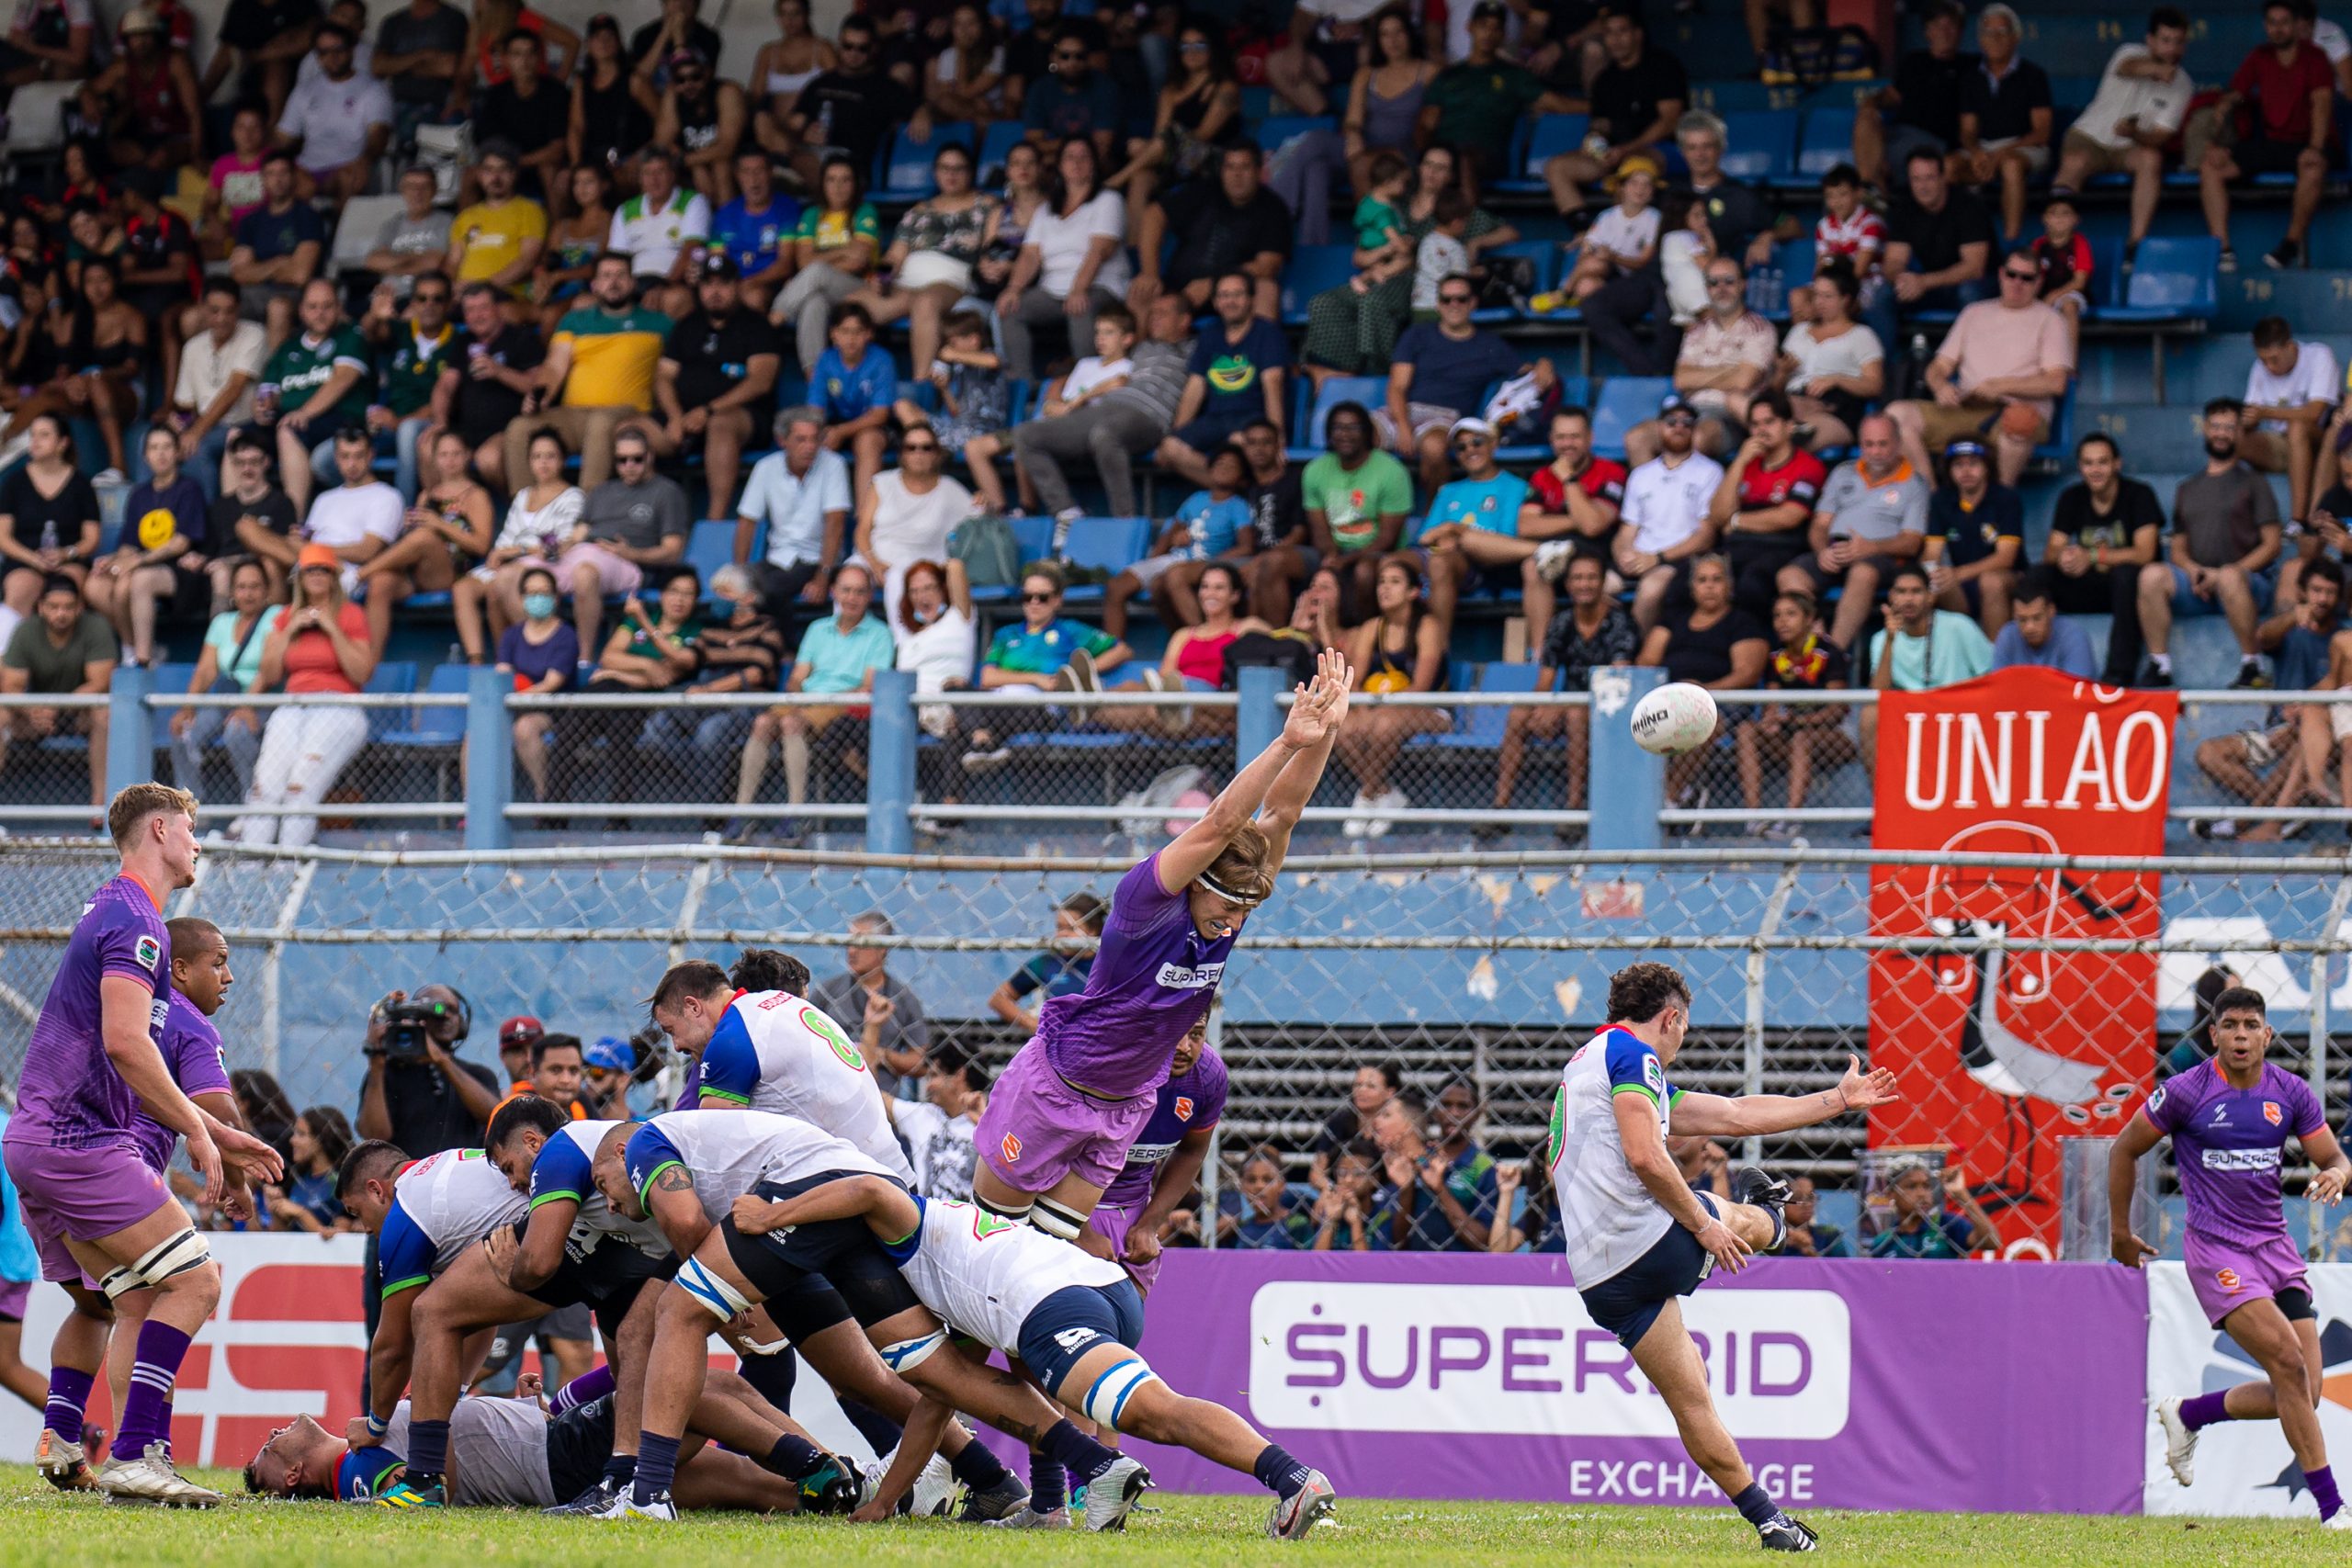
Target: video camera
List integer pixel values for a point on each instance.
(409, 1026)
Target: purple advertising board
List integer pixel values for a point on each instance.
(1849, 1384)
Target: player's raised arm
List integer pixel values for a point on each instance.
(1314, 720)
(1758, 1115)
(2138, 1137)
(1286, 799)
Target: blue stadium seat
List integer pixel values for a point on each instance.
(1624, 403)
(1113, 543)
(1551, 133)
(396, 676)
(710, 546)
(1824, 141)
(1371, 391)
(1002, 136)
(1311, 270)
(1032, 538)
(173, 679)
(1760, 144)
(431, 726)
(905, 173)
(1480, 729)
(2172, 280)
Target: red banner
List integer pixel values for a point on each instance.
(2005, 1049)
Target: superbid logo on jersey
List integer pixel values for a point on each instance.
(1179, 978)
(1184, 1108)
(1523, 1359)
(2240, 1159)
(2228, 1279)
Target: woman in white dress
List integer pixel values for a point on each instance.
(907, 514)
(539, 519)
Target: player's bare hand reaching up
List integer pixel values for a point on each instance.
(1859, 1091)
(1321, 704)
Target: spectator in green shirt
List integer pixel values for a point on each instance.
(839, 653)
(321, 380)
(1357, 497)
(1474, 105)
(63, 649)
(413, 347)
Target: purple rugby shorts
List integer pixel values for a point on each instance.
(82, 1194)
(1115, 1223)
(1038, 1130)
(2228, 1274)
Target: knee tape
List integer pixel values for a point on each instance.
(1012, 1213)
(175, 1256)
(721, 1299)
(1057, 1219)
(908, 1354)
(1106, 1398)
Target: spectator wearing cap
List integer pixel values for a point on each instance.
(716, 383)
(702, 120)
(341, 120)
(2285, 88)
(609, 1067)
(498, 240)
(1976, 536)
(1440, 374)
(526, 112)
(599, 371)
(2038, 635)
(1919, 111)
(1637, 99)
(148, 99)
(1919, 647)
(279, 245)
(516, 1036)
(2005, 117)
(1666, 519)
(1997, 377)
(1476, 104)
(1471, 537)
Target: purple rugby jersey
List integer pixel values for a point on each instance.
(1154, 978)
(1188, 1102)
(191, 1049)
(2225, 1144)
(68, 1094)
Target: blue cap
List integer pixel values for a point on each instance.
(611, 1052)
(1964, 448)
(1674, 403)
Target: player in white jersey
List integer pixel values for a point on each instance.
(1639, 1238)
(774, 1051)
(1071, 1318)
(821, 1283)
(424, 1214)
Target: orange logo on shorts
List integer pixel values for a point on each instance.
(1011, 1147)
(2229, 1281)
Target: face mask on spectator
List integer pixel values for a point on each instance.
(539, 606)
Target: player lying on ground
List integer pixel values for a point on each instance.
(1639, 1238)
(821, 1284)
(1071, 1318)
(2228, 1121)
(100, 1217)
(1068, 1106)
(98, 1333)
(510, 1455)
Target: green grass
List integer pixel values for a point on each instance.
(40, 1526)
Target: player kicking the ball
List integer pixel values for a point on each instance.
(1639, 1238)
(2227, 1120)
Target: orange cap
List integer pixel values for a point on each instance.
(317, 555)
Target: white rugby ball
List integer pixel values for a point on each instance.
(1674, 718)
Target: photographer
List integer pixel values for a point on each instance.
(418, 1094)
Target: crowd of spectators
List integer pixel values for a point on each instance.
(640, 259)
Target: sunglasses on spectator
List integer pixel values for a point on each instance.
(2020, 277)
(629, 457)
(431, 296)
(1039, 598)
(919, 446)
(1679, 418)
(1193, 46)
(1723, 283)
(1455, 298)
(1069, 54)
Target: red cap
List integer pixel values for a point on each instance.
(520, 1029)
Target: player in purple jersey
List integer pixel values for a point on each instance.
(1164, 1166)
(191, 1047)
(2228, 1121)
(103, 1219)
(1071, 1102)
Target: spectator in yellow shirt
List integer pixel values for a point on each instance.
(498, 239)
(599, 371)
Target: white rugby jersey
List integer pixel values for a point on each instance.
(1606, 1215)
(564, 1169)
(774, 1051)
(730, 1151)
(456, 1198)
(984, 1276)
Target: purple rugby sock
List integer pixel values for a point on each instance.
(161, 1349)
(2322, 1484)
(2204, 1410)
(69, 1395)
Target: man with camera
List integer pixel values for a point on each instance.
(418, 1095)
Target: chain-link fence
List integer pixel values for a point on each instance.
(1486, 969)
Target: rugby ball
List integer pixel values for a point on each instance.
(1674, 718)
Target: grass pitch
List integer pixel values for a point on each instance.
(42, 1526)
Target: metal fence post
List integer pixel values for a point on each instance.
(489, 759)
(891, 765)
(1628, 784)
(1260, 721)
(130, 729)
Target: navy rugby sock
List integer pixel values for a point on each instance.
(1077, 1452)
(1277, 1471)
(428, 1450)
(1048, 1484)
(978, 1468)
(657, 1466)
(1755, 1506)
